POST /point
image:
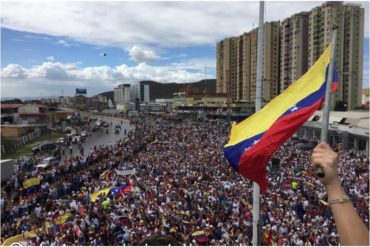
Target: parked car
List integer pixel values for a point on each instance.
(47, 162)
(48, 146)
(60, 140)
(68, 130)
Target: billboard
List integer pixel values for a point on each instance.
(81, 91)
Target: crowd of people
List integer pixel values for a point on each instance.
(181, 185)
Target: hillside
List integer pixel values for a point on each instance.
(166, 90)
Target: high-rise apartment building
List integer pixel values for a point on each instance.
(349, 20)
(237, 64)
(122, 94)
(226, 66)
(140, 91)
(293, 48)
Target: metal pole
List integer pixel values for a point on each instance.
(256, 188)
(326, 110)
(260, 57)
(228, 96)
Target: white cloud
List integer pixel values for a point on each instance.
(50, 76)
(138, 54)
(63, 43)
(124, 24)
(13, 71)
(196, 64)
(50, 58)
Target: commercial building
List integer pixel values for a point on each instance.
(237, 64)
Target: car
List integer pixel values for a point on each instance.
(48, 146)
(68, 130)
(84, 133)
(76, 139)
(98, 123)
(47, 162)
(133, 114)
(118, 126)
(60, 141)
(105, 124)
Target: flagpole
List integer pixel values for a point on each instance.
(326, 110)
(256, 188)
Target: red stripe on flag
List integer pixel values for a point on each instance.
(253, 162)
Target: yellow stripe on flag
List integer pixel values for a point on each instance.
(31, 182)
(300, 89)
(100, 192)
(197, 233)
(63, 218)
(19, 238)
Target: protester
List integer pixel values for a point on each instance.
(351, 228)
(183, 188)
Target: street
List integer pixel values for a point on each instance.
(100, 137)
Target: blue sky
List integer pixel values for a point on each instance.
(47, 47)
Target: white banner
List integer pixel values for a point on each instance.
(126, 172)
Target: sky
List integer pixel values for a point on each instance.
(52, 48)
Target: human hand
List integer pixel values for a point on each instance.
(325, 157)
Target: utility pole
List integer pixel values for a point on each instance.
(228, 95)
(256, 188)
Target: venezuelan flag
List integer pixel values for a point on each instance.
(104, 191)
(255, 139)
(199, 236)
(30, 191)
(31, 182)
(120, 190)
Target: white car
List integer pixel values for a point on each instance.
(60, 141)
(50, 161)
(83, 133)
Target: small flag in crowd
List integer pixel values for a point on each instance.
(67, 217)
(105, 175)
(95, 195)
(255, 139)
(199, 236)
(120, 190)
(31, 182)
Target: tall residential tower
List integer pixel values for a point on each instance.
(290, 49)
(237, 63)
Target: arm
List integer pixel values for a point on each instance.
(350, 226)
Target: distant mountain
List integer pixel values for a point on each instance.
(108, 94)
(166, 90)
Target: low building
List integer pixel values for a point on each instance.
(8, 112)
(349, 128)
(33, 113)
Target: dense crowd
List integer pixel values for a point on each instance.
(182, 185)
